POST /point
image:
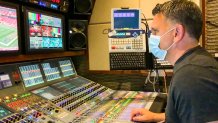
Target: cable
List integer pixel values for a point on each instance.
(144, 21)
(155, 69)
(155, 79)
(148, 78)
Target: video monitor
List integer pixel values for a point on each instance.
(9, 29)
(44, 31)
(122, 19)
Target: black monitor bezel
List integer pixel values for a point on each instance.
(26, 29)
(17, 7)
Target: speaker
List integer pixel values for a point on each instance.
(83, 6)
(78, 34)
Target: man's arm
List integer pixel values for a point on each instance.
(143, 115)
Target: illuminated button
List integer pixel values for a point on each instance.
(7, 97)
(15, 95)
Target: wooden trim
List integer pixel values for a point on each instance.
(130, 72)
(119, 71)
(30, 57)
(141, 72)
(204, 22)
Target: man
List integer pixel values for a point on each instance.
(193, 95)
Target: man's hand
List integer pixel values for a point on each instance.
(143, 115)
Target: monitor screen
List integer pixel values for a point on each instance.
(125, 19)
(51, 71)
(4, 112)
(67, 68)
(45, 31)
(5, 81)
(47, 92)
(31, 75)
(9, 37)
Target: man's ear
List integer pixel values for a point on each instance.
(179, 33)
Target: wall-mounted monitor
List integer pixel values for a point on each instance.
(9, 29)
(44, 31)
(125, 19)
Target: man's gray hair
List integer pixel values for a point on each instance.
(184, 12)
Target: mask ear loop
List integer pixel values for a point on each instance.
(170, 45)
(173, 41)
(167, 32)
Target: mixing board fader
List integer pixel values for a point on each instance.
(33, 108)
(44, 98)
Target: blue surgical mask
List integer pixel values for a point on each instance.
(154, 42)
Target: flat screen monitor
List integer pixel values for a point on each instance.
(125, 19)
(9, 29)
(50, 71)
(31, 75)
(67, 68)
(45, 31)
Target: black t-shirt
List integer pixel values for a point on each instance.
(193, 95)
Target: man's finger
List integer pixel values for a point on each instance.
(138, 118)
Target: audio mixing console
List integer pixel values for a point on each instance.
(71, 100)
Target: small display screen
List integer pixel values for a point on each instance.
(45, 31)
(8, 30)
(66, 68)
(51, 73)
(4, 112)
(65, 86)
(126, 19)
(47, 92)
(31, 75)
(5, 81)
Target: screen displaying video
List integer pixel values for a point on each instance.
(8, 29)
(45, 32)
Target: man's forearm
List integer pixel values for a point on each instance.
(159, 117)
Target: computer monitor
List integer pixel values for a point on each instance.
(9, 29)
(125, 19)
(44, 31)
